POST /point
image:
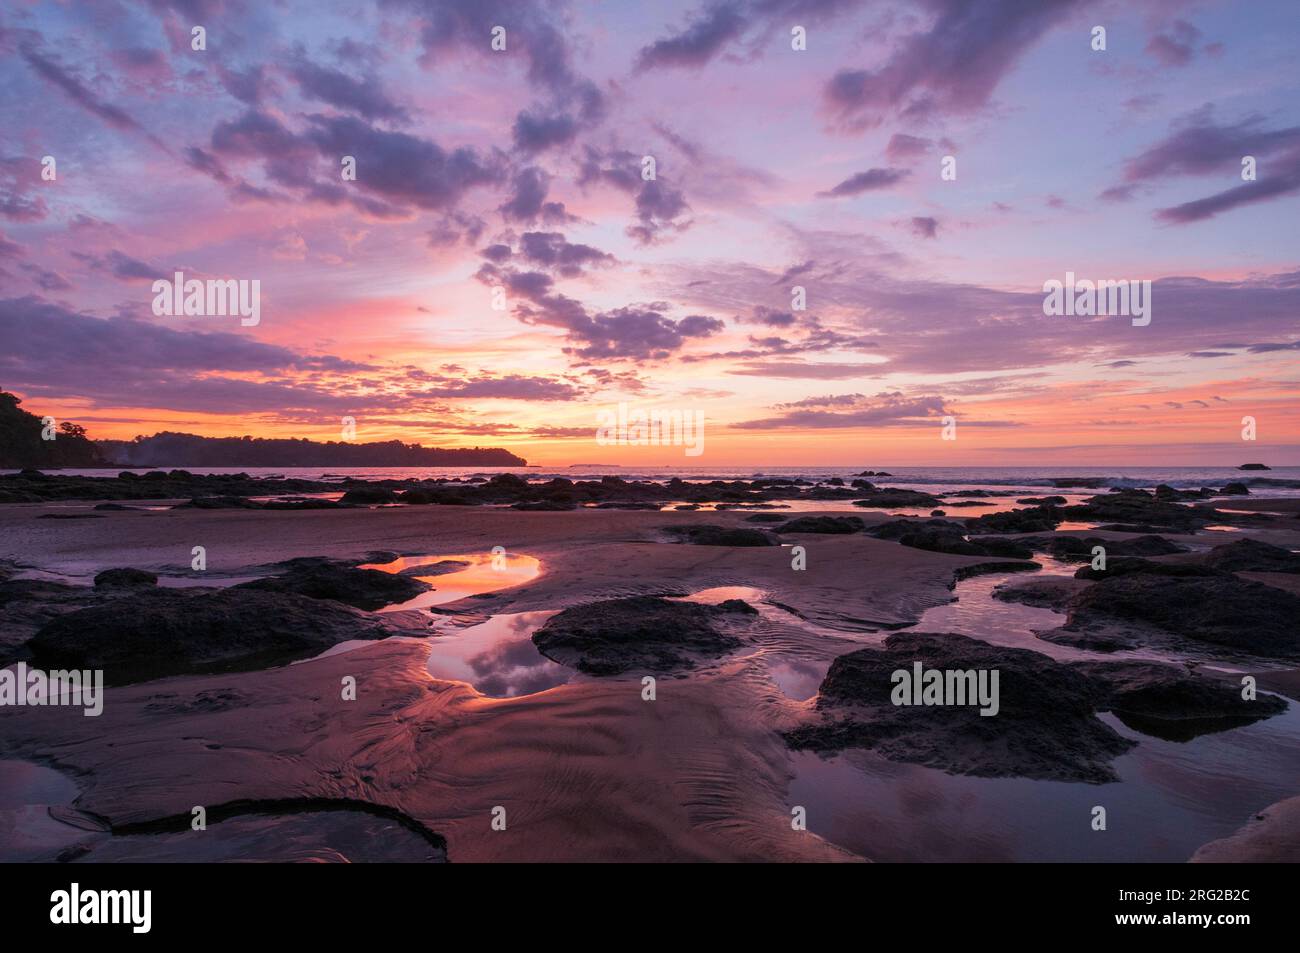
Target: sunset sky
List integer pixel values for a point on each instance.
(775, 168)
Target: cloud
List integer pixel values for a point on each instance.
(697, 43)
(886, 409)
(923, 226)
(951, 66)
(365, 97)
(1177, 47)
(868, 181)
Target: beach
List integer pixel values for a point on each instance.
(581, 765)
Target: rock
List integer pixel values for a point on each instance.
(1167, 493)
(1249, 555)
(765, 518)
(707, 534)
(1036, 519)
(1253, 466)
(1169, 702)
(370, 496)
(892, 496)
(545, 506)
(319, 578)
(1124, 565)
(1235, 489)
(154, 633)
(1218, 614)
(1080, 548)
(945, 536)
(1045, 726)
(1137, 507)
(116, 507)
(835, 525)
(645, 634)
(1270, 837)
(938, 513)
(302, 503)
(218, 503)
(1044, 592)
(1043, 501)
(125, 578)
(69, 516)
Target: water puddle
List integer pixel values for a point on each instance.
(28, 792)
(472, 574)
(498, 657)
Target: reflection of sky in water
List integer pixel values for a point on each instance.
(1171, 798)
(498, 657)
(483, 572)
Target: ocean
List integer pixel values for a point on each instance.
(1279, 481)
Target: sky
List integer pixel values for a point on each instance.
(505, 266)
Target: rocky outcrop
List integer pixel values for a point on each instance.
(1044, 725)
(319, 578)
(707, 534)
(154, 633)
(1207, 613)
(645, 634)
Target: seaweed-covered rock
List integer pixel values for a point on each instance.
(1080, 548)
(641, 633)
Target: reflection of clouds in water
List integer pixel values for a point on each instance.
(516, 668)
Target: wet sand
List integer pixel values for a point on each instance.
(585, 770)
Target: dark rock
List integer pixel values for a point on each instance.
(154, 633)
(303, 503)
(1170, 702)
(218, 503)
(708, 534)
(1080, 548)
(938, 513)
(125, 578)
(1235, 489)
(765, 518)
(1249, 555)
(892, 496)
(1125, 565)
(320, 578)
(70, 516)
(1253, 466)
(116, 507)
(1043, 501)
(545, 506)
(1219, 614)
(837, 525)
(640, 633)
(370, 496)
(1036, 519)
(1045, 726)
